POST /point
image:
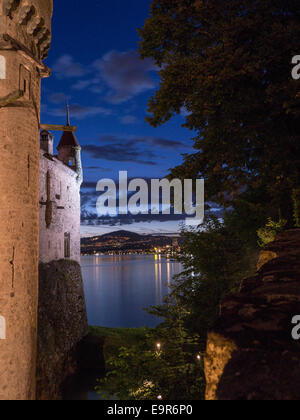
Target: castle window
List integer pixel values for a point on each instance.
(67, 245)
(2, 328)
(25, 78)
(2, 68)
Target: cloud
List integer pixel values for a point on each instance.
(145, 140)
(91, 218)
(129, 119)
(80, 112)
(96, 88)
(82, 84)
(66, 67)
(58, 98)
(122, 75)
(125, 74)
(89, 185)
(88, 200)
(94, 85)
(120, 152)
(135, 149)
(98, 168)
(164, 143)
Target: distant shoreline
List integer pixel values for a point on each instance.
(128, 243)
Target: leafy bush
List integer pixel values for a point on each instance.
(148, 371)
(268, 233)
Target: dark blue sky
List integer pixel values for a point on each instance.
(96, 68)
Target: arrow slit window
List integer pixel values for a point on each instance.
(25, 82)
(2, 328)
(67, 245)
(2, 68)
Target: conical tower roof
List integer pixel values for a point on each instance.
(68, 138)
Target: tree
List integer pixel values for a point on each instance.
(166, 364)
(216, 258)
(228, 64)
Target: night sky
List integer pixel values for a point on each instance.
(96, 68)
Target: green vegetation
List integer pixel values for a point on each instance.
(151, 363)
(228, 66)
(268, 233)
(115, 338)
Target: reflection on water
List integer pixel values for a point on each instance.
(118, 287)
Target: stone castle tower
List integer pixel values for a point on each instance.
(69, 151)
(25, 33)
(61, 177)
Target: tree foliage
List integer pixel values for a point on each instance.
(144, 371)
(228, 64)
(216, 258)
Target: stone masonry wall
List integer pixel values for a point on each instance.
(62, 325)
(24, 41)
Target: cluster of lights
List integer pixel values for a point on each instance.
(158, 347)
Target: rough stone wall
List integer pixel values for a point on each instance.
(62, 325)
(65, 210)
(251, 354)
(24, 42)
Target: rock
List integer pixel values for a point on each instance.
(62, 325)
(251, 354)
(265, 257)
(219, 352)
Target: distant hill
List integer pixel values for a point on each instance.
(123, 240)
(120, 234)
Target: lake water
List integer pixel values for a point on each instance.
(117, 288)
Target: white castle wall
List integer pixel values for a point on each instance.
(65, 198)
